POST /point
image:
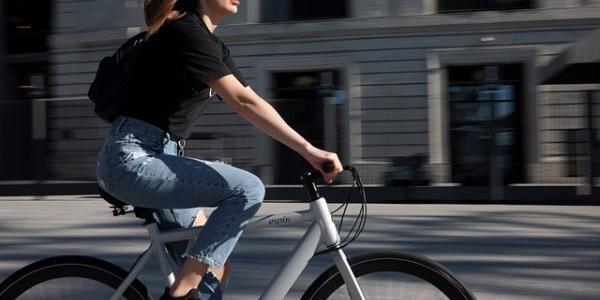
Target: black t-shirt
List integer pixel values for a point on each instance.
(168, 86)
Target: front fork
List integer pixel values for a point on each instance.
(331, 238)
(346, 271)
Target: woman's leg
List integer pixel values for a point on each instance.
(167, 181)
(136, 166)
(235, 215)
(174, 218)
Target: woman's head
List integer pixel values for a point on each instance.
(220, 7)
(157, 12)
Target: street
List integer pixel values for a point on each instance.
(498, 251)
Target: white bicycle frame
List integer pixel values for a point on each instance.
(322, 231)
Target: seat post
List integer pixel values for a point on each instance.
(159, 250)
(145, 214)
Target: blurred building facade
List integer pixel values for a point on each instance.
(428, 92)
(24, 66)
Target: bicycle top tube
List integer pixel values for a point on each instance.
(256, 223)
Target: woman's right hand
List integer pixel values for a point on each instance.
(317, 158)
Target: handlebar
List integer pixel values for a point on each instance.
(328, 167)
(309, 179)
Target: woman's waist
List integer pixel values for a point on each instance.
(135, 132)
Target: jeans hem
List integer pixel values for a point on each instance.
(205, 260)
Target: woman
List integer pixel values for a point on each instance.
(177, 70)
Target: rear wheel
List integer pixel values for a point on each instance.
(69, 277)
(393, 276)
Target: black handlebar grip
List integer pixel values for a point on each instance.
(328, 167)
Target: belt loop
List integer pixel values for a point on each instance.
(166, 138)
(180, 146)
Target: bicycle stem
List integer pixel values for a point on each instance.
(308, 181)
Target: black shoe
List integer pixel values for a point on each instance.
(191, 295)
(210, 288)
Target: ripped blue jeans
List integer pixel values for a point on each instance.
(138, 164)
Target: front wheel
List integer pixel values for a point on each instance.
(391, 275)
(69, 277)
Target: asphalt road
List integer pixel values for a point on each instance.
(500, 252)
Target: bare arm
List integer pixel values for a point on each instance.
(250, 106)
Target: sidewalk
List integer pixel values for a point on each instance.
(533, 194)
(500, 252)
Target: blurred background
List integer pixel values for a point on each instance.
(432, 100)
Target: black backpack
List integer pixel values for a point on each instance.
(109, 88)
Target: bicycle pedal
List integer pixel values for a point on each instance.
(119, 211)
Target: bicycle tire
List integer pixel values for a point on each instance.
(418, 268)
(65, 268)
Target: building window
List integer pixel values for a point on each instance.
(474, 5)
(485, 114)
(298, 10)
(27, 28)
(27, 32)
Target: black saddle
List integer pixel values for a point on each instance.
(120, 208)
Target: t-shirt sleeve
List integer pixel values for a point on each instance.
(202, 58)
(231, 65)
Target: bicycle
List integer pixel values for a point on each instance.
(373, 275)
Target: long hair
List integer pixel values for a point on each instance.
(159, 12)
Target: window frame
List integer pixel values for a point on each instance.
(438, 3)
(287, 5)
